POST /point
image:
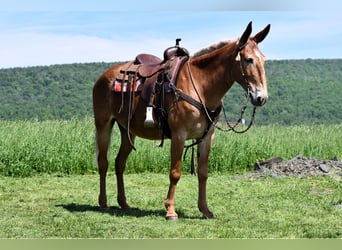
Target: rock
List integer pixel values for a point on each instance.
(299, 166)
(269, 162)
(324, 168)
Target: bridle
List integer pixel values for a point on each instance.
(211, 119)
(248, 93)
(244, 76)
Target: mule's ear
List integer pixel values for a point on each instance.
(258, 38)
(244, 38)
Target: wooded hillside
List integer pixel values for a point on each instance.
(301, 92)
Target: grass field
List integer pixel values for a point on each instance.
(49, 186)
(67, 147)
(50, 206)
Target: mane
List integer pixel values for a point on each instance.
(211, 48)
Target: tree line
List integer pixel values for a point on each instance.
(307, 91)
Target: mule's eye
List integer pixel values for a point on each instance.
(249, 60)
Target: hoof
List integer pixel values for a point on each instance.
(103, 208)
(171, 218)
(123, 204)
(209, 217)
(126, 208)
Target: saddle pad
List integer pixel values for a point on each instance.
(121, 86)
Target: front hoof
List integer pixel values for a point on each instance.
(171, 218)
(103, 209)
(126, 208)
(102, 200)
(123, 204)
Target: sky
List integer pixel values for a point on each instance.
(40, 32)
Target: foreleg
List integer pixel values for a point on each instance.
(203, 156)
(177, 144)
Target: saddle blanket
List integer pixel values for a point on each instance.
(120, 86)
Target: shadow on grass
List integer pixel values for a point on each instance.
(117, 211)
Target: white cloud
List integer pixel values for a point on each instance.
(76, 39)
(27, 49)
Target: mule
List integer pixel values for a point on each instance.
(205, 77)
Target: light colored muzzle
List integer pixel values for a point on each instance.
(258, 97)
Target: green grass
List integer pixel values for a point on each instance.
(50, 206)
(237, 152)
(67, 147)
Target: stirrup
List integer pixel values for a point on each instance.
(149, 122)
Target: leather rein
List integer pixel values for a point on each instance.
(211, 114)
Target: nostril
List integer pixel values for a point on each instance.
(261, 100)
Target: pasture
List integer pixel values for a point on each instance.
(67, 147)
(50, 206)
(49, 186)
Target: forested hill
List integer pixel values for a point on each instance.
(301, 92)
(48, 92)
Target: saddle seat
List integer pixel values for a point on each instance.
(147, 59)
(150, 64)
(152, 76)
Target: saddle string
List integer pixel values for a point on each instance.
(130, 103)
(160, 110)
(122, 95)
(125, 73)
(131, 85)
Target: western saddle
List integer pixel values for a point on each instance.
(155, 76)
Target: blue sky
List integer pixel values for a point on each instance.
(40, 32)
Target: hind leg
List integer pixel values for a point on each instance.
(120, 165)
(103, 135)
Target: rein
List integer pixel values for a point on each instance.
(231, 127)
(213, 114)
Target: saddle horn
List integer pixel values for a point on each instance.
(177, 41)
(175, 51)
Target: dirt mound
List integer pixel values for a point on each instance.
(299, 166)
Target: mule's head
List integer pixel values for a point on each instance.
(249, 65)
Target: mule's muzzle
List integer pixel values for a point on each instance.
(258, 97)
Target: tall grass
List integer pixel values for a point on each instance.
(29, 147)
(32, 147)
(237, 152)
